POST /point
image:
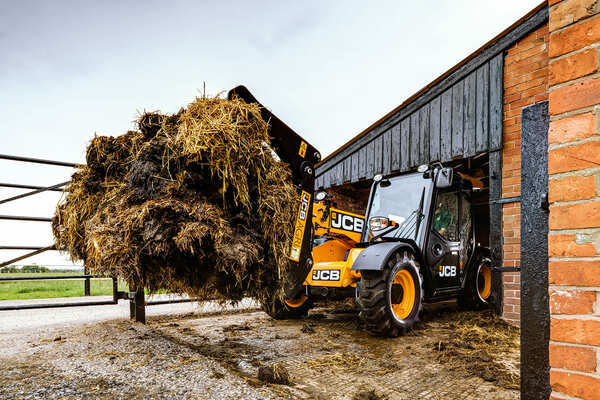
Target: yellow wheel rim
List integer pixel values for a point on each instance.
(484, 282)
(403, 294)
(295, 303)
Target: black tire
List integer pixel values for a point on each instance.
(278, 309)
(477, 292)
(377, 292)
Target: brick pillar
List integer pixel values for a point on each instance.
(525, 83)
(574, 192)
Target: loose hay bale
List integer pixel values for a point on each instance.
(190, 203)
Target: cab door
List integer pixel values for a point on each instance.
(443, 251)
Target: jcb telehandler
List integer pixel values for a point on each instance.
(417, 244)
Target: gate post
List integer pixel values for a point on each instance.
(86, 284)
(137, 306)
(535, 312)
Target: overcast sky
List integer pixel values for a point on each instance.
(329, 69)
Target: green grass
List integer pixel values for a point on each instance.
(21, 290)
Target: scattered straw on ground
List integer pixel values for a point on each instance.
(192, 203)
(481, 344)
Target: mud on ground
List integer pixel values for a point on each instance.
(326, 355)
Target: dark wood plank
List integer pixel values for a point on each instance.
(482, 108)
(446, 127)
(387, 152)
(362, 162)
(424, 134)
(496, 100)
(532, 23)
(415, 140)
(319, 182)
(339, 174)
(370, 160)
(457, 119)
(347, 169)
(354, 167)
(377, 168)
(434, 129)
(470, 117)
(405, 145)
(396, 140)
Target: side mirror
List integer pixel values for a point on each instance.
(444, 178)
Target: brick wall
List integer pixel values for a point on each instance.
(525, 83)
(574, 192)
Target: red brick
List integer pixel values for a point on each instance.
(572, 302)
(577, 331)
(574, 273)
(573, 67)
(583, 386)
(572, 128)
(582, 215)
(565, 246)
(574, 358)
(578, 95)
(572, 158)
(572, 188)
(570, 11)
(575, 37)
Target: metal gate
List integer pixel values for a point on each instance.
(136, 297)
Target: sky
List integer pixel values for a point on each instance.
(329, 69)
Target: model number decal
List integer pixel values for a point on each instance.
(326, 275)
(447, 270)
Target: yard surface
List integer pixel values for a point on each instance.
(217, 356)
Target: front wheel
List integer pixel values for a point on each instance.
(288, 309)
(391, 299)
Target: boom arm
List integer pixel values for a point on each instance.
(301, 157)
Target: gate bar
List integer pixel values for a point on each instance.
(37, 160)
(25, 218)
(47, 277)
(56, 305)
(18, 186)
(33, 253)
(20, 247)
(20, 196)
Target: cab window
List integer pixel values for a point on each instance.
(445, 215)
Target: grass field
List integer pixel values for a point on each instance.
(21, 290)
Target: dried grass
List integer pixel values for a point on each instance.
(192, 203)
(482, 344)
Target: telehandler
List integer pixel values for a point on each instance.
(416, 244)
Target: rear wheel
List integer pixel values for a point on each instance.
(478, 288)
(288, 309)
(390, 299)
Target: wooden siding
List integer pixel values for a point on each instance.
(464, 120)
(454, 117)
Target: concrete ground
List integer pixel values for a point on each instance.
(186, 353)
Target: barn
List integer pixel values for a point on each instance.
(520, 114)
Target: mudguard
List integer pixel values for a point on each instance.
(375, 257)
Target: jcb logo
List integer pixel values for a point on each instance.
(304, 206)
(447, 271)
(347, 222)
(326, 275)
(299, 228)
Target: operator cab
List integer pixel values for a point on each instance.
(430, 210)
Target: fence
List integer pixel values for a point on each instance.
(136, 297)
